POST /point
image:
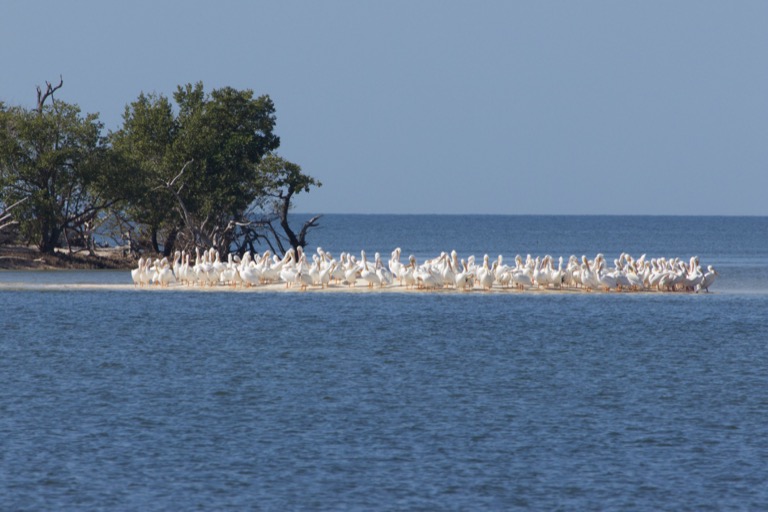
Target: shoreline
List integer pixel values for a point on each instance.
(22, 258)
(335, 288)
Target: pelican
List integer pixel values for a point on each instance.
(385, 276)
(165, 274)
(351, 272)
(136, 273)
(425, 279)
(407, 273)
(464, 280)
(248, 272)
(325, 275)
(707, 279)
(304, 278)
(485, 275)
(368, 274)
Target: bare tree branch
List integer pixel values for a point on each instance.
(311, 223)
(6, 214)
(278, 240)
(170, 183)
(197, 232)
(50, 89)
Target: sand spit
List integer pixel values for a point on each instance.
(333, 288)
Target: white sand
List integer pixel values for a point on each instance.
(281, 288)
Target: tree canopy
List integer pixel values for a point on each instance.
(198, 170)
(57, 162)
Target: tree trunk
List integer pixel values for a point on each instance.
(153, 240)
(285, 206)
(170, 242)
(49, 239)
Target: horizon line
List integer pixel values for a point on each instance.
(541, 214)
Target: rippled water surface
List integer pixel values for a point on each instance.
(286, 401)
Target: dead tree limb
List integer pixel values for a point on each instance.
(311, 223)
(6, 214)
(49, 90)
(196, 231)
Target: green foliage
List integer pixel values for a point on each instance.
(144, 145)
(217, 139)
(280, 178)
(57, 159)
(191, 170)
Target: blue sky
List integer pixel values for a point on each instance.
(502, 107)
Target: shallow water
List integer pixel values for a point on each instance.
(289, 401)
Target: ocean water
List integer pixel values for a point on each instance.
(144, 400)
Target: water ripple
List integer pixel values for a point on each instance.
(133, 401)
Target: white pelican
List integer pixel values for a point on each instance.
(368, 274)
(464, 280)
(351, 271)
(248, 271)
(407, 274)
(707, 279)
(303, 277)
(394, 262)
(425, 278)
(136, 273)
(165, 274)
(385, 276)
(485, 276)
(326, 274)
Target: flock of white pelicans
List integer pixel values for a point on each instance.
(299, 270)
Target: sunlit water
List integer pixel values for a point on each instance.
(142, 400)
